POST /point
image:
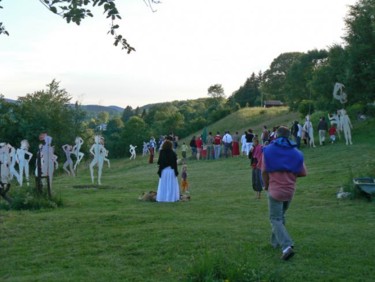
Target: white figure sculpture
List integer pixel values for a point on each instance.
(99, 153)
(339, 94)
(47, 161)
(145, 149)
(68, 150)
(4, 163)
(23, 159)
(105, 152)
(346, 125)
(308, 128)
(12, 164)
(133, 153)
(76, 151)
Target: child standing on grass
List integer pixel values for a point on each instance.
(184, 182)
(332, 133)
(184, 148)
(255, 156)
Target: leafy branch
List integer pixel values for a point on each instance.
(76, 10)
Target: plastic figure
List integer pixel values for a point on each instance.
(132, 152)
(99, 153)
(345, 126)
(4, 163)
(12, 163)
(76, 151)
(23, 159)
(68, 150)
(308, 128)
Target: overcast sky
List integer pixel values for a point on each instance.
(182, 49)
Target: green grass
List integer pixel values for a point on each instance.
(106, 234)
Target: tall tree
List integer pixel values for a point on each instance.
(299, 76)
(360, 39)
(216, 91)
(127, 113)
(249, 93)
(47, 111)
(273, 83)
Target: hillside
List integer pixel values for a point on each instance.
(254, 118)
(104, 233)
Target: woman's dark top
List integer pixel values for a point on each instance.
(193, 143)
(167, 158)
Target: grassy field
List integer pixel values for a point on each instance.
(222, 234)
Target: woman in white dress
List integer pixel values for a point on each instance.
(168, 189)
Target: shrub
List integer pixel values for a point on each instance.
(29, 199)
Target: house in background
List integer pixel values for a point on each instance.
(273, 103)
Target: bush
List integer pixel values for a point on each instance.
(306, 107)
(355, 109)
(29, 199)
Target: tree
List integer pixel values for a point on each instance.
(127, 113)
(75, 11)
(249, 93)
(299, 76)
(112, 135)
(135, 133)
(216, 91)
(273, 83)
(47, 111)
(360, 39)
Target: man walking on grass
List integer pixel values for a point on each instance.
(282, 164)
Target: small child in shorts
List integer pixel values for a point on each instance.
(332, 133)
(184, 182)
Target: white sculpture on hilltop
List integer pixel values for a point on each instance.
(76, 151)
(99, 153)
(133, 153)
(23, 159)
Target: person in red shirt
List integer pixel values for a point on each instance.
(217, 145)
(199, 144)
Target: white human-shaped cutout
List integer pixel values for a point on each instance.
(23, 159)
(145, 149)
(308, 127)
(346, 126)
(76, 151)
(99, 152)
(12, 164)
(48, 159)
(4, 163)
(133, 153)
(68, 150)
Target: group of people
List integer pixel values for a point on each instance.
(338, 123)
(276, 164)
